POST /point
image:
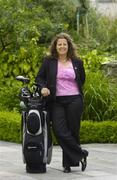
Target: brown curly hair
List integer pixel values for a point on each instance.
(71, 46)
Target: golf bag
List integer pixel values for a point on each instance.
(36, 136)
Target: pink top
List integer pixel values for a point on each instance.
(66, 84)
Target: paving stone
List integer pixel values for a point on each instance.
(102, 164)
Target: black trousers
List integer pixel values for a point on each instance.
(66, 115)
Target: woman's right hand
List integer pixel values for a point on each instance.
(45, 92)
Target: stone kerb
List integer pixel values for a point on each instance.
(110, 69)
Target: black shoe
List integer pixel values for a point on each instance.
(83, 163)
(84, 160)
(67, 169)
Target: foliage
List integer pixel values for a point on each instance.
(99, 92)
(93, 60)
(101, 33)
(60, 11)
(113, 37)
(19, 33)
(99, 98)
(26, 28)
(10, 126)
(91, 132)
(98, 132)
(9, 96)
(82, 10)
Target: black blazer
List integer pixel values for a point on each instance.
(46, 76)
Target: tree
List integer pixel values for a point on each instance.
(26, 26)
(82, 20)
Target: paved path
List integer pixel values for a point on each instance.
(102, 164)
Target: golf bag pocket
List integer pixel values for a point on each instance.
(33, 149)
(34, 122)
(33, 141)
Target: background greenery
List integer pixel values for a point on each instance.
(10, 123)
(91, 132)
(26, 30)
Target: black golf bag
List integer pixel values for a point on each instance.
(36, 136)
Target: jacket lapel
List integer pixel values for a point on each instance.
(53, 72)
(54, 64)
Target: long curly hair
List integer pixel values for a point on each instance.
(71, 46)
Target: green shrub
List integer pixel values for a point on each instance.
(101, 34)
(93, 59)
(10, 126)
(96, 96)
(98, 132)
(99, 97)
(100, 92)
(9, 96)
(91, 132)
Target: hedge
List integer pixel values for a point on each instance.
(98, 132)
(10, 126)
(91, 132)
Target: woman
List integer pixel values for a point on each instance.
(61, 78)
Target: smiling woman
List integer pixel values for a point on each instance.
(62, 49)
(61, 78)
